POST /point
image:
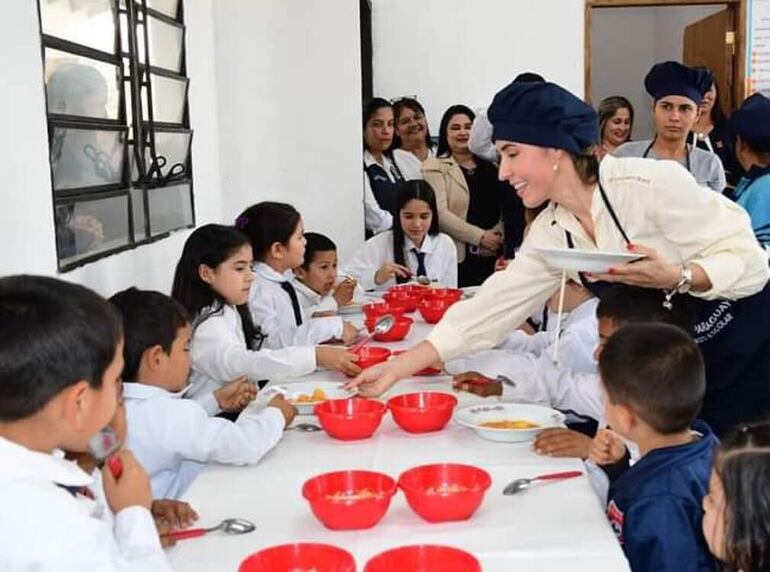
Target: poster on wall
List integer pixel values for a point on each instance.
(758, 48)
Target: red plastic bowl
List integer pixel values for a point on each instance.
(439, 505)
(433, 309)
(422, 412)
(423, 558)
(303, 556)
(371, 355)
(398, 332)
(413, 289)
(377, 309)
(350, 419)
(451, 294)
(401, 298)
(425, 371)
(371, 322)
(353, 514)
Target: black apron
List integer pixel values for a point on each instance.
(734, 338)
(686, 155)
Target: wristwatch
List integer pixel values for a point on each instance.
(685, 280)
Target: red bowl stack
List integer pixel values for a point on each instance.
(350, 419)
(422, 412)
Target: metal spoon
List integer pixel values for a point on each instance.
(382, 326)
(521, 484)
(228, 526)
(423, 280)
(305, 427)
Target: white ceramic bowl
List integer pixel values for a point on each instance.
(473, 416)
(584, 260)
(332, 390)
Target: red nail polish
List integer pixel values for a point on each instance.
(631, 246)
(611, 271)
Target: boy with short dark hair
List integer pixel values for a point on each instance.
(171, 436)
(654, 380)
(60, 361)
(316, 278)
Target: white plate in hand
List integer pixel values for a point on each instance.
(585, 260)
(474, 416)
(331, 389)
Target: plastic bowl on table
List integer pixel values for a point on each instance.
(370, 323)
(422, 558)
(377, 309)
(350, 419)
(301, 556)
(371, 355)
(433, 309)
(422, 412)
(427, 371)
(398, 331)
(450, 294)
(416, 290)
(374, 489)
(444, 491)
(401, 298)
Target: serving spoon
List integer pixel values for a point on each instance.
(228, 526)
(521, 484)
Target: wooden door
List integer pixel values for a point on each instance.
(711, 42)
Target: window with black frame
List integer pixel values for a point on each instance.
(118, 124)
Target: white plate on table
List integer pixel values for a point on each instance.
(585, 260)
(331, 390)
(473, 416)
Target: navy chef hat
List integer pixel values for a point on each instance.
(673, 78)
(751, 121)
(543, 114)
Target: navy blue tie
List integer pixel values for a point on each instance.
(294, 301)
(420, 263)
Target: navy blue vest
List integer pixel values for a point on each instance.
(383, 189)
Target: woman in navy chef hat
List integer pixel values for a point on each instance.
(692, 241)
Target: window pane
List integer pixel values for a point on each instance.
(87, 22)
(168, 99)
(173, 146)
(137, 203)
(81, 86)
(167, 7)
(170, 208)
(86, 157)
(85, 228)
(165, 45)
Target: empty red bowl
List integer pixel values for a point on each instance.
(433, 309)
(422, 412)
(371, 355)
(350, 419)
(402, 298)
(423, 558)
(453, 294)
(397, 332)
(375, 309)
(302, 556)
(444, 491)
(425, 371)
(349, 500)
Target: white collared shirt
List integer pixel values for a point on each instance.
(376, 219)
(659, 204)
(311, 301)
(272, 310)
(44, 527)
(440, 260)
(174, 438)
(409, 164)
(219, 355)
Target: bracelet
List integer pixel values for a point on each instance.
(682, 286)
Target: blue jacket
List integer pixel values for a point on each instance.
(655, 507)
(753, 194)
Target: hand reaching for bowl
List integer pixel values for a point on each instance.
(391, 270)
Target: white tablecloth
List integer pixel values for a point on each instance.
(558, 526)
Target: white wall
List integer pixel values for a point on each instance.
(625, 42)
(289, 80)
(464, 51)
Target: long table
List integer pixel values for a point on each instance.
(558, 526)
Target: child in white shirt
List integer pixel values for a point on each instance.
(413, 248)
(276, 232)
(60, 361)
(316, 282)
(173, 437)
(212, 281)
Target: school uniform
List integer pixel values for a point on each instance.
(380, 181)
(45, 527)
(703, 165)
(437, 252)
(312, 302)
(655, 507)
(408, 164)
(275, 308)
(174, 438)
(220, 354)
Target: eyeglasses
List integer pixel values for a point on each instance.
(396, 100)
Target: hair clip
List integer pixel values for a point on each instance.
(241, 222)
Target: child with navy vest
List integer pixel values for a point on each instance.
(653, 377)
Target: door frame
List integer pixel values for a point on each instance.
(740, 12)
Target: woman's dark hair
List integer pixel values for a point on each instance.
(443, 141)
(608, 107)
(743, 466)
(414, 105)
(717, 114)
(211, 245)
(267, 223)
(370, 108)
(405, 192)
(53, 334)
